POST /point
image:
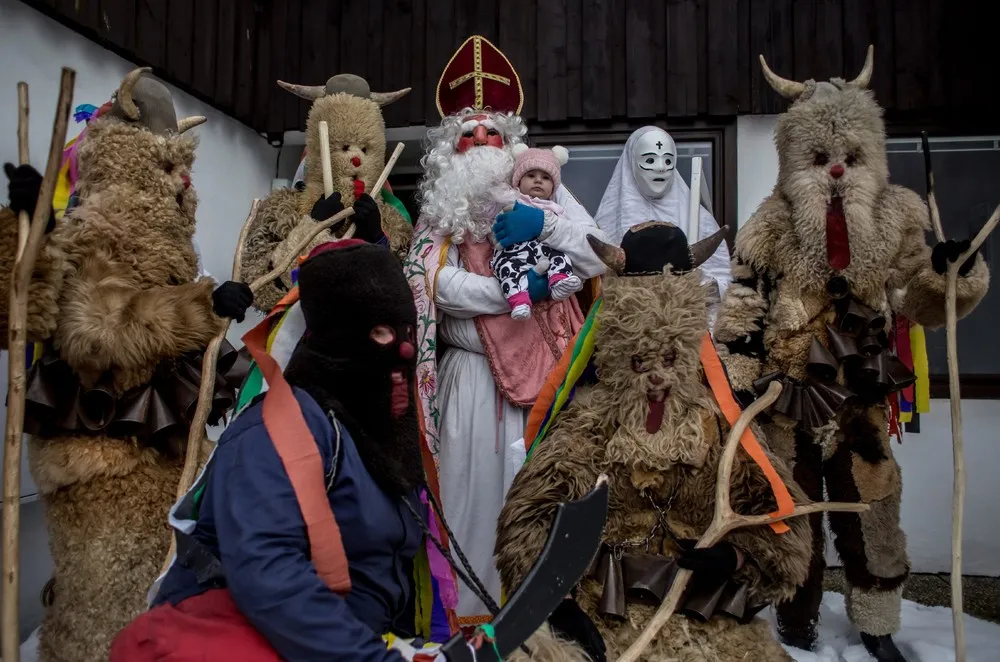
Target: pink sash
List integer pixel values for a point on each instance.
(521, 353)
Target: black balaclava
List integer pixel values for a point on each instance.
(358, 355)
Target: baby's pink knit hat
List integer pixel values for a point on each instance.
(532, 158)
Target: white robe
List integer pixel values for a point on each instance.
(477, 426)
(624, 205)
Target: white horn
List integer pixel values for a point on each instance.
(865, 77)
(385, 98)
(790, 89)
(190, 122)
(310, 92)
(124, 96)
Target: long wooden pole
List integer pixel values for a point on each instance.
(955, 398)
(726, 520)
(196, 434)
(17, 339)
(24, 157)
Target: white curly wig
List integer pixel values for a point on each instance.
(455, 185)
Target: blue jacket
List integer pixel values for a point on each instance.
(250, 520)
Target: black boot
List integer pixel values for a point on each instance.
(801, 636)
(882, 648)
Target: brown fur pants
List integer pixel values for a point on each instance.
(856, 465)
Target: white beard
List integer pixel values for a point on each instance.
(464, 198)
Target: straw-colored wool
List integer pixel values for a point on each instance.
(603, 431)
(283, 217)
(116, 293)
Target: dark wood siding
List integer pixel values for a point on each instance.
(595, 62)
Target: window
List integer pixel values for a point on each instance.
(965, 172)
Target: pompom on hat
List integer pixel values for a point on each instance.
(549, 161)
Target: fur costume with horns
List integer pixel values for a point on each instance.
(651, 423)
(357, 132)
(123, 319)
(822, 271)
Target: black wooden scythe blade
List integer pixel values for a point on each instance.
(574, 540)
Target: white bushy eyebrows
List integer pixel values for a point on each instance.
(469, 125)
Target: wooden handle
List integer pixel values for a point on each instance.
(324, 153)
(24, 158)
(17, 341)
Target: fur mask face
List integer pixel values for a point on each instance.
(155, 167)
(357, 147)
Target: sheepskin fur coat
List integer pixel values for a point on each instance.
(356, 129)
(648, 339)
(115, 296)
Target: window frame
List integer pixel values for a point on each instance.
(721, 135)
(973, 386)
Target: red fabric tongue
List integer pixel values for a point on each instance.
(359, 188)
(654, 419)
(838, 247)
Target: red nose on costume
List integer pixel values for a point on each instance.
(406, 350)
(655, 380)
(836, 171)
(479, 134)
(356, 162)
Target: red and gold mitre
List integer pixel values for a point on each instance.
(479, 76)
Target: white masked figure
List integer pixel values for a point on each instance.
(644, 187)
(476, 398)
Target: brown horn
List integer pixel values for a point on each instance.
(385, 98)
(705, 248)
(124, 96)
(190, 122)
(865, 77)
(790, 89)
(310, 92)
(612, 256)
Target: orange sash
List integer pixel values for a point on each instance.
(297, 449)
(731, 410)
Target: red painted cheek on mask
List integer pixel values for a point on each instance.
(400, 394)
(465, 144)
(495, 141)
(186, 180)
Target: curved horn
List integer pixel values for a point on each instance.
(705, 248)
(612, 256)
(865, 77)
(385, 98)
(124, 96)
(190, 122)
(790, 89)
(310, 92)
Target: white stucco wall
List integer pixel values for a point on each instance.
(233, 166)
(925, 458)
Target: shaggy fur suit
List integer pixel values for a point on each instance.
(115, 294)
(779, 302)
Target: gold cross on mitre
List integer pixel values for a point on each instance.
(477, 74)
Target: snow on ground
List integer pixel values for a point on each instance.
(926, 636)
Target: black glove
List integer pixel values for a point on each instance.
(327, 207)
(571, 622)
(720, 559)
(25, 184)
(949, 251)
(367, 219)
(231, 299)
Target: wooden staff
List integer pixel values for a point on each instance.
(726, 520)
(955, 398)
(23, 156)
(17, 339)
(196, 434)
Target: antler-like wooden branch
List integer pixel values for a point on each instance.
(30, 241)
(196, 434)
(23, 156)
(726, 520)
(955, 397)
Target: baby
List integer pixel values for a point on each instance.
(536, 179)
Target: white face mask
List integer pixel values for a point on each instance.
(654, 158)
